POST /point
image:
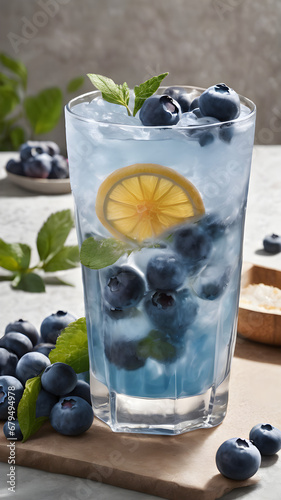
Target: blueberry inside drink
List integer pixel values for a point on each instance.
(160, 180)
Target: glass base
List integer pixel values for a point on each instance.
(158, 415)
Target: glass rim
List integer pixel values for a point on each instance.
(83, 98)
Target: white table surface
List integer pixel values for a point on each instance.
(22, 213)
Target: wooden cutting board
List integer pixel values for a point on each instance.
(172, 467)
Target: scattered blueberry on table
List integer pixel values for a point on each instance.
(272, 243)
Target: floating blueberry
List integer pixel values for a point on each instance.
(238, 459)
(226, 132)
(193, 245)
(8, 362)
(38, 166)
(30, 365)
(213, 225)
(52, 326)
(194, 104)
(123, 353)
(172, 312)
(124, 288)
(11, 389)
(180, 95)
(211, 282)
(266, 438)
(25, 327)
(15, 167)
(160, 110)
(272, 243)
(165, 272)
(71, 416)
(59, 379)
(12, 430)
(221, 102)
(16, 342)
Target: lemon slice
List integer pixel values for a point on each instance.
(142, 201)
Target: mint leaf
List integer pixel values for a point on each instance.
(17, 136)
(8, 100)
(14, 257)
(97, 254)
(72, 347)
(29, 282)
(146, 89)
(53, 233)
(17, 67)
(156, 346)
(66, 258)
(26, 412)
(75, 84)
(111, 92)
(44, 110)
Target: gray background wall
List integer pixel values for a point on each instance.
(200, 42)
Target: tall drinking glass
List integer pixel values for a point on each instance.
(160, 218)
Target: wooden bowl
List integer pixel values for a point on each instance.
(261, 326)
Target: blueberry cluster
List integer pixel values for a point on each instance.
(40, 159)
(166, 292)
(24, 355)
(240, 459)
(218, 103)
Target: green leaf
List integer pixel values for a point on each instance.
(16, 67)
(156, 346)
(72, 347)
(53, 233)
(44, 110)
(29, 282)
(146, 89)
(14, 257)
(97, 254)
(17, 137)
(66, 258)
(75, 84)
(111, 92)
(26, 412)
(8, 100)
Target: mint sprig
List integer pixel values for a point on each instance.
(54, 255)
(120, 94)
(156, 346)
(97, 254)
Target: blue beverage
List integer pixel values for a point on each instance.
(160, 211)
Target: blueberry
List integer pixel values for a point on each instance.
(194, 104)
(82, 389)
(172, 312)
(52, 326)
(226, 132)
(23, 326)
(15, 167)
(160, 110)
(266, 438)
(221, 102)
(196, 112)
(71, 416)
(211, 282)
(238, 459)
(124, 288)
(193, 245)
(39, 166)
(60, 168)
(165, 272)
(213, 225)
(272, 243)
(194, 122)
(30, 365)
(180, 95)
(16, 342)
(44, 348)
(59, 379)
(8, 362)
(44, 403)
(11, 389)
(12, 430)
(52, 148)
(30, 149)
(123, 354)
